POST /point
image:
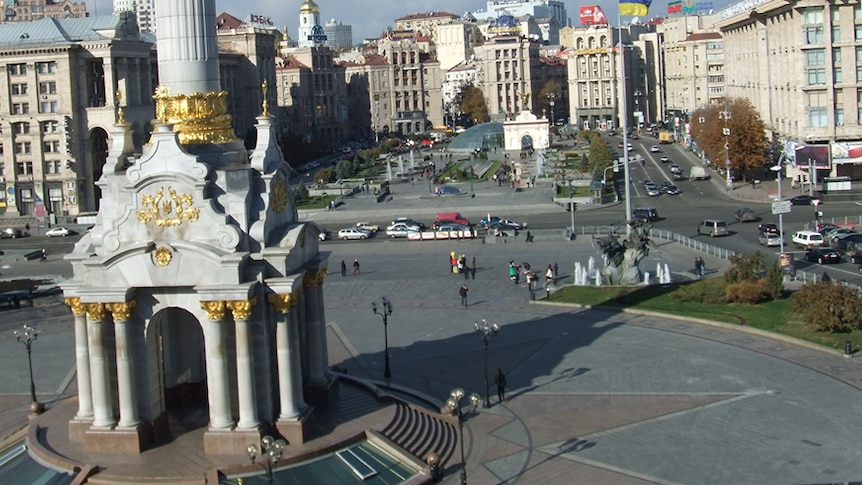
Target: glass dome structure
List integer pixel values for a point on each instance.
(485, 136)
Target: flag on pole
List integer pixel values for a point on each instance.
(638, 8)
(674, 7)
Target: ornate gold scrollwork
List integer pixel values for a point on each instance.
(198, 118)
(95, 311)
(122, 310)
(241, 309)
(74, 303)
(168, 212)
(215, 309)
(278, 195)
(163, 256)
(313, 279)
(281, 302)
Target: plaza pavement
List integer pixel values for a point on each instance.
(595, 396)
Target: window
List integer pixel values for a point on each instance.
(49, 106)
(22, 148)
(836, 27)
(17, 69)
(51, 146)
(815, 60)
(813, 34)
(857, 33)
(20, 128)
(20, 108)
(49, 87)
(839, 116)
(46, 67)
(817, 115)
(24, 168)
(52, 166)
(837, 77)
(19, 89)
(50, 127)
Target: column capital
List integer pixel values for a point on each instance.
(95, 311)
(74, 303)
(313, 279)
(282, 302)
(215, 309)
(241, 309)
(121, 310)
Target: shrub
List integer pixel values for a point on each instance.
(829, 307)
(744, 267)
(748, 291)
(775, 281)
(300, 193)
(702, 292)
(325, 176)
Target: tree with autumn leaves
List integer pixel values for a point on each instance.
(472, 103)
(747, 145)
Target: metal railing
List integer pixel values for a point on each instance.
(686, 241)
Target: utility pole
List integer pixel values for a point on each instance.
(725, 115)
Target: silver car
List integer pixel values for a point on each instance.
(400, 230)
(769, 239)
(353, 233)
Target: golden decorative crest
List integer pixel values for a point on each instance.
(281, 302)
(215, 309)
(278, 194)
(96, 311)
(75, 304)
(313, 279)
(241, 309)
(121, 311)
(198, 118)
(169, 212)
(163, 256)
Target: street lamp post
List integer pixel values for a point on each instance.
(454, 406)
(272, 449)
(725, 115)
(384, 312)
(486, 332)
(777, 170)
(27, 335)
(552, 97)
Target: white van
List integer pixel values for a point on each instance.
(808, 239)
(713, 227)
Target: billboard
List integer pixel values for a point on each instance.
(592, 15)
(816, 156)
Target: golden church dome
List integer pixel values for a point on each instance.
(308, 6)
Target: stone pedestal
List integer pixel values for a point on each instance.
(77, 428)
(321, 396)
(295, 430)
(230, 441)
(128, 441)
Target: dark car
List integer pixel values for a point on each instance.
(768, 228)
(823, 255)
(856, 257)
(669, 188)
(645, 214)
(679, 176)
(802, 200)
(852, 242)
(746, 215)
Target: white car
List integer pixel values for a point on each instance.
(769, 239)
(58, 232)
(652, 190)
(400, 230)
(654, 149)
(353, 233)
(368, 226)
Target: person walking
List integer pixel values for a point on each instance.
(356, 266)
(513, 272)
(473, 267)
(528, 238)
(463, 292)
(343, 268)
(701, 268)
(549, 275)
(556, 271)
(44, 257)
(500, 381)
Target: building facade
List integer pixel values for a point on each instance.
(416, 84)
(594, 78)
(309, 21)
(507, 64)
(338, 35)
(426, 23)
(144, 9)
(545, 10)
(32, 10)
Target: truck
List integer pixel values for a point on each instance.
(698, 173)
(665, 137)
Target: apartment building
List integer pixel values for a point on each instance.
(594, 78)
(32, 10)
(416, 88)
(338, 35)
(426, 23)
(507, 64)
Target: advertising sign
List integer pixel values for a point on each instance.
(592, 15)
(785, 260)
(505, 25)
(261, 20)
(396, 35)
(816, 156)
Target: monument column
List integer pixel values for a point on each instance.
(241, 310)
(103, 413)
(317, 363)
(295, 355)
(125, 363)
(217, 371)
(283, 343)
(82, 360)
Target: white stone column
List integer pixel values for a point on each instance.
(316, 335)
(241, 310)
(284, 353)
(296, 357)
(82, 360)
(217, 371)
(125, 363)
(103, 412)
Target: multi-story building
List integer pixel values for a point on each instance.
(32, 10)
(144, 9)
(368, 79)
(545, 10)
(426, 23)
(309, 24)
(799, 65)
(455, 43)
(338, 35)
(415, 90)
(647, 86)
(454, 81)
(594, 78)
(61, 80)
(508, 64)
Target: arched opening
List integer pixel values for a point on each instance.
(526, 142)
(176, 358)
(98, 156)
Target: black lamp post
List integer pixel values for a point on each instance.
(454, 406)
(486, 332)
(272, 449)
(27, 335)
(384, 312)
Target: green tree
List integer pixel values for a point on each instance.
(775, 280)
(301, 194)
(744, 267)
(473, 104)
(552, 86)
(747, 145)
(325, 176)
(828, 306)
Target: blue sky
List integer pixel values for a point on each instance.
(369, 18)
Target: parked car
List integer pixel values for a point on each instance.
(654, 149)
(409, 222)
(807, 239)
(353, 233)
(746, 215)
(769, 239)
(836, 233)
(669, 188)
(513, 224)
(400, 230)
(664, 159)
(713, 227)
(58, 231)
(856, 257)
(451, 227)
(823, 255)
(368, 226)
(12, 233)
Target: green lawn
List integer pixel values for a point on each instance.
(773, 316)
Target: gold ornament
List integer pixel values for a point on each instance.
(215, 309)
(163, 256)
(121, 311)
(120, 119)
(281, 302)
(199, 118)
(278, 195)
(170, 212)
(95, 311)
(265, 102)
(75, 304)
(241, 309)
(313, 279)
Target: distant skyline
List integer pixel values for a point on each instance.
(370, 18)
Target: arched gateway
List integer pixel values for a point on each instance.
(197, 295)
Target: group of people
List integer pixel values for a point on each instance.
(699, 266)
(459, 265)
(355, 267)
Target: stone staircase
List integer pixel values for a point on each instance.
(421, 432)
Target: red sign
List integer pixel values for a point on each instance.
(592, 15)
